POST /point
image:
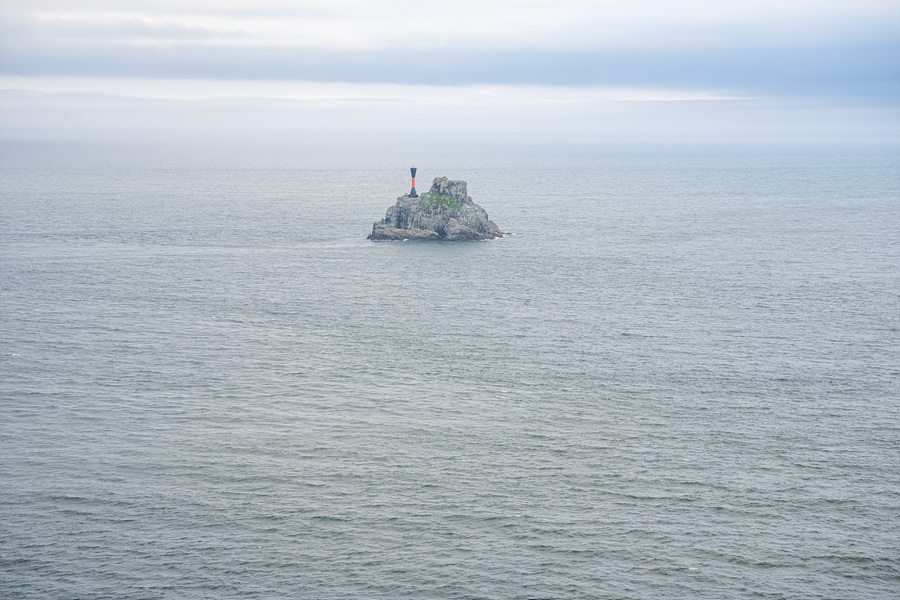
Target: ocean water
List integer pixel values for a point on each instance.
(678, 377)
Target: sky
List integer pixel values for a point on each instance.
(641, 70)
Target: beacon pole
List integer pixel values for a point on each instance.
(412, 193)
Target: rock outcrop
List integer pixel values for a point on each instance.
(445, 212)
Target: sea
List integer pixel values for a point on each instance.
(677, 376)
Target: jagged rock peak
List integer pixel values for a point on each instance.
(445, 212)
(454, 188)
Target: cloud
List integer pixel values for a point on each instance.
(538, 65)
(855, 71)
(744, 48)
(559, 24)
(178, 89)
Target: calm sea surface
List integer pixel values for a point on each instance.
(679, 377)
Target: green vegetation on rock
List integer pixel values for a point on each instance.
(438, 200)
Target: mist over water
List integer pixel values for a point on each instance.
(678, 377)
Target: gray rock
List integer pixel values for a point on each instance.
(445, 212)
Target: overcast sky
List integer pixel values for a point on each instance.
(807, 70)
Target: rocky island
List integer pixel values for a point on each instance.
(445, 212)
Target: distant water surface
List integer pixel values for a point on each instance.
(679, 377)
